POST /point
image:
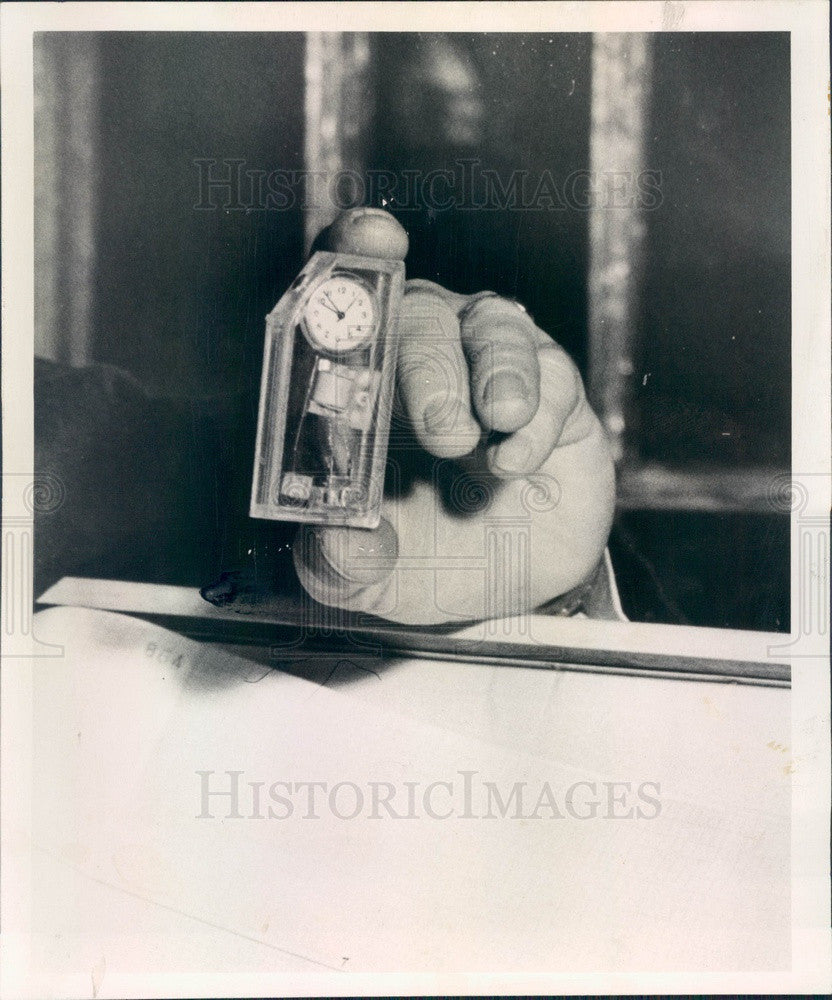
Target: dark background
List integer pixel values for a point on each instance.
(179, 295)
(717, 299)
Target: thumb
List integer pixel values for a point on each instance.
(366, 232)
(345, 567)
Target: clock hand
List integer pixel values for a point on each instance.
(337, 310)
(332, 309)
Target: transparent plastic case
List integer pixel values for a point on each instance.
(326, 393)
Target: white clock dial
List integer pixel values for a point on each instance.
(340, 314)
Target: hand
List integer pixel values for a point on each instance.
(500, 486)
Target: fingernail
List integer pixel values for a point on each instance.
(438, 419)
(358, 556)
(503, 387)
(370, 232)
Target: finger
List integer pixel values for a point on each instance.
(498, 341)
(337, 565)
(561, 399)
(433, 376)
(366, 232)
(456, 301)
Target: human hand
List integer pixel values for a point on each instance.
(500, 485)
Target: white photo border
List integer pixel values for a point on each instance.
(807, 22)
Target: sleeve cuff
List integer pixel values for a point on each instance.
(596, 597)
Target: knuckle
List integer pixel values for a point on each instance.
(488, 357)
(557, 369)
(413, 286)
(561, 387)
(496, 325)
(489, 308)
(422, 286)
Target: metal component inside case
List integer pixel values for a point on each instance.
(326, 393)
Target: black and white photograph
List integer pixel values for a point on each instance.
(416, 488)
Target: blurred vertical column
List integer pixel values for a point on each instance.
(621, 72)
(67, 89)
(339, 108)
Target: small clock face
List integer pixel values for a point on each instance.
(340, 314)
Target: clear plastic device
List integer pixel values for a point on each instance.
(326, 393)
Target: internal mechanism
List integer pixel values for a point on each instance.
(329, 453)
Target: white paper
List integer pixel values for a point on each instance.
(127, 718)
